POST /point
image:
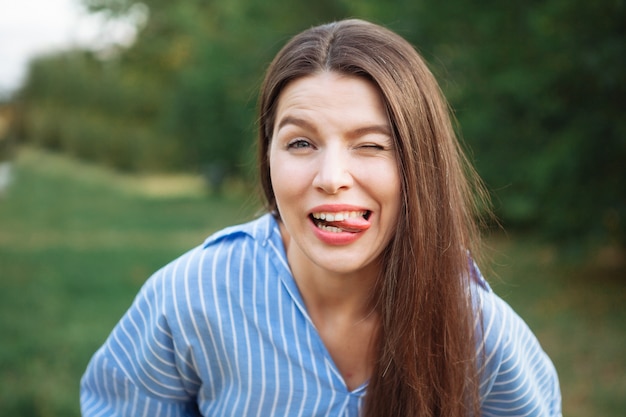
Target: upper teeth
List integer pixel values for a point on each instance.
(338, 217)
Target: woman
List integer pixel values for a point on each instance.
(356, 295)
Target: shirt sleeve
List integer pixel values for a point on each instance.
(518, 378)
(138, 371)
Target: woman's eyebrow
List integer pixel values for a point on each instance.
(382, 129)
(296, 121)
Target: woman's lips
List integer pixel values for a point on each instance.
(337, 221)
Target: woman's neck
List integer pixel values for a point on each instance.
(325, 293)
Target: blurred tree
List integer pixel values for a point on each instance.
(75, 103)
(539, 93)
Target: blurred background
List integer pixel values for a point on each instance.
(127, 135)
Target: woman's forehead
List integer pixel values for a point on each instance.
(338, 97)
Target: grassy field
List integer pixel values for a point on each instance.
(77, 242)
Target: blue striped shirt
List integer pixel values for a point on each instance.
(223, 331)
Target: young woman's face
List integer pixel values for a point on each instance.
(334, 172)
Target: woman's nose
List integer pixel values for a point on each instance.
(333, 172)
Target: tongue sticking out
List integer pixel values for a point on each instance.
(352, 224)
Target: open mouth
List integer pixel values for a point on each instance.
(346, 221)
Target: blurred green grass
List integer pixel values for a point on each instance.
(77, 242)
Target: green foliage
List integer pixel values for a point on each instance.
(537, 88)
(538, 97)
(74, 103)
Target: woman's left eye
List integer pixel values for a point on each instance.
(372, 146)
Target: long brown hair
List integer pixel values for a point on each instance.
(426, 352)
